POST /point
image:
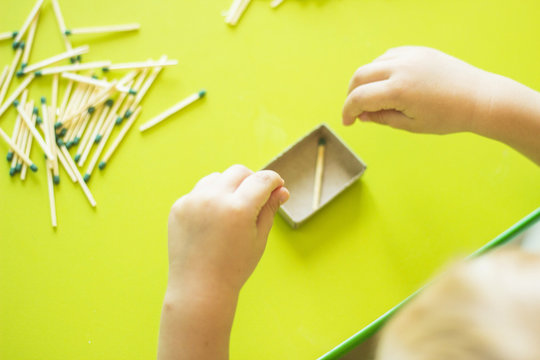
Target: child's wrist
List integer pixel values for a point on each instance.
(201, 288)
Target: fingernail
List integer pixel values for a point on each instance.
(284, 196)
(364, 117)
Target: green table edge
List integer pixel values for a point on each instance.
(372, 328)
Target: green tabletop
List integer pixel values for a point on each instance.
(92, 288)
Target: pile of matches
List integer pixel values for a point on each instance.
(238, 7)
(70, 130)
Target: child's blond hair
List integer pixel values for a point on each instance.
(487, 308)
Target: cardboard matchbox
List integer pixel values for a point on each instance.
(296, 165)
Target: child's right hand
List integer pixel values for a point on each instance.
(418, 89)
(217, 234)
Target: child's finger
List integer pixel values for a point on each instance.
(233, 176)
(269, 210)
(369, 73)
(206, 181)
(393, 118)
(256, 188)
(370, 97)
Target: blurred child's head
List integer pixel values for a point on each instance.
(487, 308)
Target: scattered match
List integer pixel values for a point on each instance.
(174, 109)
(139, 65)
(76, 120)
(56, 58)
(102, 29)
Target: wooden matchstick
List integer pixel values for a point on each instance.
(22, 86)
(78, 176)
(28, 144)
(144, 89)
(100, 98)
(74, 122)
(61, 24)
(14, 136)
(56, 58)
(29, 42)
(67, 44)
(108, 130)
(95, 82)
(103, 29)
(63, 105)
(71, 99)
(118, 139)
(89, 131)
(3, 75)
(233, 9)
(174, 109)
(50, 140)
(8, 35)
(50, 187)
(31, 16)
(75, 98)
(95, 132)
(236, 11)
(25, 135)
(74, 67)
(112, 112)
(51, 180)
(11, 72)
(81, 96)
(319, 173)
(66, 166)
(129, 104)
(140, 65)
(241, 11)
(18, 131)
(18, 151)
(52, 121)
(62, 158)
(28, 121)
(82, 127)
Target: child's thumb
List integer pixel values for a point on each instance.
(269, 210)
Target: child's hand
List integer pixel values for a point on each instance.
(217, 232)
(418, 89)
(424, 90)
